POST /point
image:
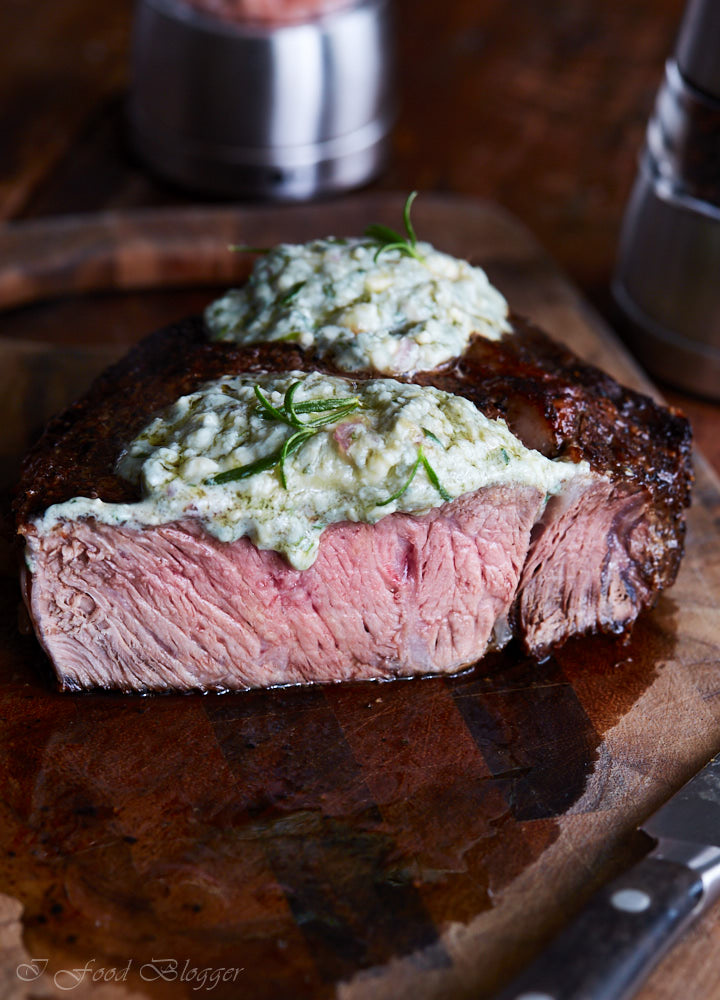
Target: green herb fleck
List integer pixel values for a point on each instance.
(290, 295)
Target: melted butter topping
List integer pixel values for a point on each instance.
(363, 309)
(215, 456)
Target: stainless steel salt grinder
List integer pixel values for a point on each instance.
(279, 111)
(667, 279)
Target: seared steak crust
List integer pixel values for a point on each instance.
(597, 556)
(551, 400)
(565, 408)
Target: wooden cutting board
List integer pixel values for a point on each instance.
(414, 839)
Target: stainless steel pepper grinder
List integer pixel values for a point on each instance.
(667, 279)
(282, 108)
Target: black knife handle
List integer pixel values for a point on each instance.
(617, 939)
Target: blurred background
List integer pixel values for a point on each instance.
(540, 105)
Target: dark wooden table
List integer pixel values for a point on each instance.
(539, 104)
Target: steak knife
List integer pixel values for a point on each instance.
(614, 942)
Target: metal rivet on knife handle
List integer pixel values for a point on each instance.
(630, 900)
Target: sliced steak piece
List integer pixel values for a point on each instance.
(170, 607)
(591, 564)
(600, 553)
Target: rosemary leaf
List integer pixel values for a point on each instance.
(433, 437)
(240, 248)
(319, 405)
(243, 471)
(432, 476)
(403, 247)
(333, 417)
(383, 234)
(267, 405)
(398, 493)
(293, 443)
(292, 417)
(406, 217)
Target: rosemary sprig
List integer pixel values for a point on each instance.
(431, 474)
(288, 413)
(330, 410)
(391, 239)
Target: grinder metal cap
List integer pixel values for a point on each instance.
(284, 111)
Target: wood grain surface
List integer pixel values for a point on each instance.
(541, 106)
(410, 839)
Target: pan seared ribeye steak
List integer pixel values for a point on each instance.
(171, 606)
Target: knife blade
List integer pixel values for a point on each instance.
(616, 940)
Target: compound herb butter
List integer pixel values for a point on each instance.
(278, 458)
(363, 306)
